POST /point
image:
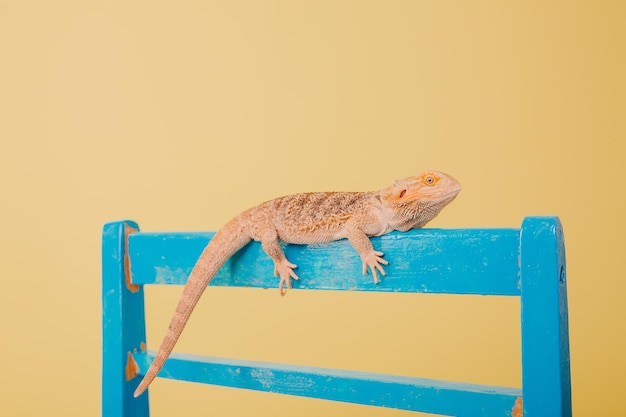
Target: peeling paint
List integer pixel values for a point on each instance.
(164, 274)
(128, 230)
(264, 376)
(132, 368)
(517, 410)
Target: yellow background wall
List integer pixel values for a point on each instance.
(181, 114)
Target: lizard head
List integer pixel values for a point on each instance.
(417, 200)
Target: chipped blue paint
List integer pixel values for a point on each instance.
(123, 327)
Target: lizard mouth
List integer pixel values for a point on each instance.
(448, 197)
(429, 207)
(438, 197)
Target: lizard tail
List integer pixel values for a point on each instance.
(224, 244)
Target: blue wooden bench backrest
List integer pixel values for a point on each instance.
(528, 262)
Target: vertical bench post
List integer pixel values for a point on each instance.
(545, 333)
(123, 326)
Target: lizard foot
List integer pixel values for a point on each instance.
(284, 269)
(373, 260)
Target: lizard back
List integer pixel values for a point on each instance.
(314, 217)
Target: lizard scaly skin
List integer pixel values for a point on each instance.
(311, 218)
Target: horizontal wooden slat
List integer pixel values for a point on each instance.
(456, 261)
(405, 393)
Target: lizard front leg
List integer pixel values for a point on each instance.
(362, 244)
(282, 267)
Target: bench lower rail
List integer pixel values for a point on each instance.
(406, 393)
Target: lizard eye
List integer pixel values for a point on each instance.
(402, 193)
(429, 180)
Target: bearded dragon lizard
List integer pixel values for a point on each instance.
(311, 218)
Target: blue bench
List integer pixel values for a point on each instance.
(528, 262)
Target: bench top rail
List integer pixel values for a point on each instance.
(453, 261)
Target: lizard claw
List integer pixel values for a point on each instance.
(284, 269)
(373, 260)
